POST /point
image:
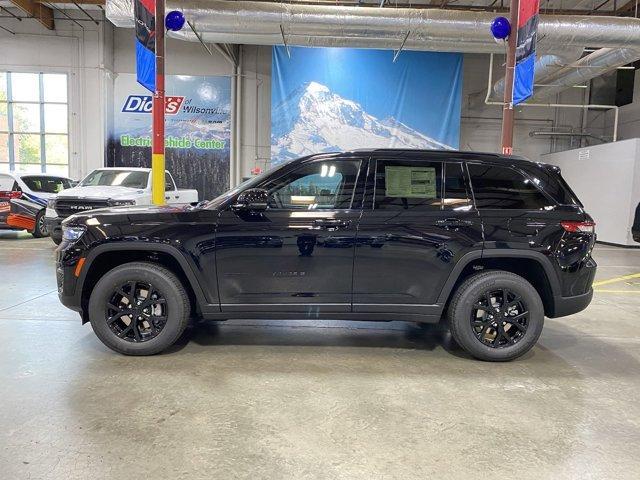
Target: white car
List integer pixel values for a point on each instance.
(23, 200)
(110, 187)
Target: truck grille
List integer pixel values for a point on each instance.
(65, 207)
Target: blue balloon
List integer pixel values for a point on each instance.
(174, 20)
(500, 28)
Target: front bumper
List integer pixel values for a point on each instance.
(54, 227)
(66, 283)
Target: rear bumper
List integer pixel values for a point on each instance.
(564, 306)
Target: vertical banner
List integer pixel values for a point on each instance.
(337, 99)
(525, 50)
(144, 11)
(198, 130)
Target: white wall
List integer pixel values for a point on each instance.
(606, 178)
(629, 116)
(82, 55)
(256, 108)
(480, 127)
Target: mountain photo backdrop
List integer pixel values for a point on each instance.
(337, 99)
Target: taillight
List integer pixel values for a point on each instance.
(11, 194)
(580, 227)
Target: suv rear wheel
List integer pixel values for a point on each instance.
(139, 309)
(496, 316)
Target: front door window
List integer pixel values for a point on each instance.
(315, 186)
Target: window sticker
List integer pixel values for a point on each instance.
(410, 182)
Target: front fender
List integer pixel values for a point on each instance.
(188, 270)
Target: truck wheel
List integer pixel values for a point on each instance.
(496, 316)
(139, 308)
(40, 228)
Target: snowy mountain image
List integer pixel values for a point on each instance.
(312, 119)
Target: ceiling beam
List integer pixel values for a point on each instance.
(36, 10)
(628, 9)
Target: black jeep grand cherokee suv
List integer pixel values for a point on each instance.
(492, 244)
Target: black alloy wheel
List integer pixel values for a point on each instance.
(496, 315)
(500, 318)
(139, 308)
(136, 311)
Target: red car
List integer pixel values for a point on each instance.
(23, 200)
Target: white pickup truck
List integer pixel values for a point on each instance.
(110, 187)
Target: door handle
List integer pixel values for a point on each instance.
(453, 222)
(331, 223)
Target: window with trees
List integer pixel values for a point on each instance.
(34, 123)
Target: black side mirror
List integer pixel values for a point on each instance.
(252, 199)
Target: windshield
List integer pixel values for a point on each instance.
(45, 184)
(116, 178)
(250, 182)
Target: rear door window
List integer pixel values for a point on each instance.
(456, 189)
(496, 187)
(408, 185)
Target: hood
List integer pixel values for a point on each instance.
(101, 192)
(36, 195)
(132, 214)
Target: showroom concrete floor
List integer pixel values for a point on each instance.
(339, 400)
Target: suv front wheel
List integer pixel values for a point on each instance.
(139, 308)
(496, 316)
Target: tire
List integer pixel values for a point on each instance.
(56, 240)
(40, 230)
(477, 307)
(151, 335)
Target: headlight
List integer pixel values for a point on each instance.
(72, 234)
(121, 203)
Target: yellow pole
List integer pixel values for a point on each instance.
(157, 112)
(157, 178)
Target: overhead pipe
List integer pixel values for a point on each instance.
(267, 23)
(546, 65)
(306, 25)
(588, 67)
(557, 73)
(545, 133)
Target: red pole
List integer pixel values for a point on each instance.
(157, 113)
(507, 109)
